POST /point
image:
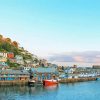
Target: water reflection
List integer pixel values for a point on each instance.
(37, 90)
(54, 87)
(76, 91)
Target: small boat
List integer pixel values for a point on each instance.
(50, 82)
(31, 82)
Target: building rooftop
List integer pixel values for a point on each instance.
(44, 70)
(15, 72)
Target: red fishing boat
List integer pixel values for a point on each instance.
(50, 82)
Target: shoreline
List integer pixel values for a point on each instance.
(24, 83)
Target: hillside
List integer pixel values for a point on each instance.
(7, 45)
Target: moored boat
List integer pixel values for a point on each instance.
(50, 82)
(31, 82)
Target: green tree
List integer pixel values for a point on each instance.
(15, 44)
(8, 40)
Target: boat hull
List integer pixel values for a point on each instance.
(50, 82)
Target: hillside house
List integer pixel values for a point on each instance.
(3, 66)
(3, 59)
(3, 54)
(10, 55)
(19, 59)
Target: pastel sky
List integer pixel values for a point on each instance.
(46, 27)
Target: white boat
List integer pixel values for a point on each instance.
(31, 82)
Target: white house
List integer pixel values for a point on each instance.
(28, 61)
(3, 59)
(2, 54)
(69, 70)
(19, 59)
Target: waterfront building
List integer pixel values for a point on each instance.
(96, 66)
(42, 73)
(11, 75)
(63, 75)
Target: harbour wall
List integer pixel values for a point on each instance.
(22, 83)
(13, 83)
(73, 80)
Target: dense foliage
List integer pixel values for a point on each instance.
(12, 65)
(6, 45)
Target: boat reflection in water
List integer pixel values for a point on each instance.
(76, 91)
(53, 87)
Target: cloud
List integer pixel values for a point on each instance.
(78, 59)
(87, 57)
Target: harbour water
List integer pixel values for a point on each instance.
(76, 91)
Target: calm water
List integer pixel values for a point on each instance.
(77, 91)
